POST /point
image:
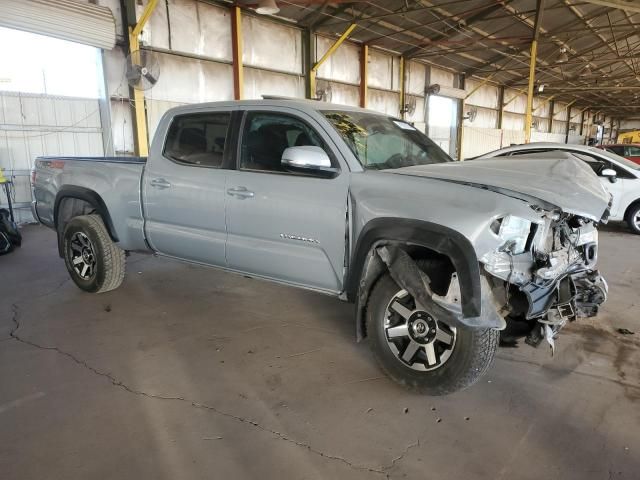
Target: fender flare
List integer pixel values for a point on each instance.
(441, 239)
(89, 196)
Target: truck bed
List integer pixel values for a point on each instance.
(111, 183)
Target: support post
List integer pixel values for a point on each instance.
(308, 58)
(587, 134)
(236, 52)
(364, 74)
(314, 70)
(141, 135)
(459, 140)
(500, 106)
(582, 122)
(567, 125)
(532, 70)
(403, 92)
(552, 105)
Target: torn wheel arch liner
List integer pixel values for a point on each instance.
(366, 266)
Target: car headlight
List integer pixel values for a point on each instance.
(513, 231)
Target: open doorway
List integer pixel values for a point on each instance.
(442, 123)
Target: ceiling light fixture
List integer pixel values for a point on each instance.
(586, 71)
(563, 57)
(267, 7)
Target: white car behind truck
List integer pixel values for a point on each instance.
(438, 256)
(620, 176)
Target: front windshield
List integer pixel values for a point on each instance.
(380, 142)
(617, 158)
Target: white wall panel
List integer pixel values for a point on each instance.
(343, 65)
(518, 104)
(559, 127)
(261, 82)
(485, 96)
(270, 45)
(416, 75)
(200, 28)
(541, 107)
(560, 111)
(442, 77)
(541, 124)
(512, 137)
(155, 110)
(485, 117)
(478, 141)
(547, 137)
(342, 94)
(630, 125)
(380, 74)
(511, 121)
(385, 102)
(576, 140)
(186, 80)
(156, 31)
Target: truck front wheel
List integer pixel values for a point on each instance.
(417, 350)
(95, 263)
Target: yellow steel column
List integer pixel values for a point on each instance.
(141, 135)
(532, 71)
(364, 74)
(314, 70)
(236, 49)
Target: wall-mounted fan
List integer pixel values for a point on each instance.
(410, 105)
(324, 92)
(471, 115)
(143, 69)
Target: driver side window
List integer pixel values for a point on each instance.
(267, 135)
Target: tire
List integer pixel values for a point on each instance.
(93, 261)
(468, 357)
(633, 218)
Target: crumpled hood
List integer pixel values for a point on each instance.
(567, 183)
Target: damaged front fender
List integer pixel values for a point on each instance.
(408, 276)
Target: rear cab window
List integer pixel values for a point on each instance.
(198, 139)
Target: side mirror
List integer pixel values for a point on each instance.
(308, 159)
(611, 174)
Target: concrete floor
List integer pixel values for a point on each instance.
(187, 372)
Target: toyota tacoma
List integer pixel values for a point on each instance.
(439, 258)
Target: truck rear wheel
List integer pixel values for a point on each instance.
(417, 350)
(95, 263)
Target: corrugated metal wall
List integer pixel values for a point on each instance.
(33, 125)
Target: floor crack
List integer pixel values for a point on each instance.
(117, 383)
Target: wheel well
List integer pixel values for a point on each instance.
(68, 208)
(374, 269)
(631, 206)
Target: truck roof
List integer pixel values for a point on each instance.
(299, 103)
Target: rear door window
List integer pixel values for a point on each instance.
(198, 139)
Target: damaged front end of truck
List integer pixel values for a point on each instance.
(537, 265)
(547, 273)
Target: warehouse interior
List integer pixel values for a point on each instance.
(191, 372)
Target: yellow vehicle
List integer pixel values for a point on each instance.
(629, 137)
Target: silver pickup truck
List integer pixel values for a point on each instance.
(442, 259)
